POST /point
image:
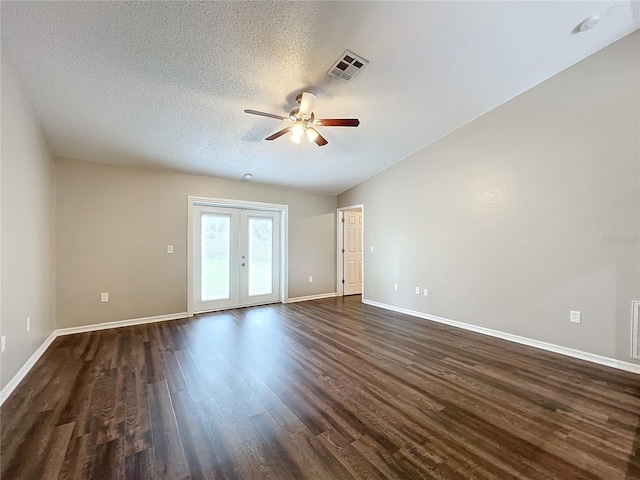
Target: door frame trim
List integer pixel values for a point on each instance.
(340, 246)
(193, 200)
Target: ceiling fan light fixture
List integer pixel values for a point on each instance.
(296, 133)
(298, 129)
(311, 134)
(302, 119)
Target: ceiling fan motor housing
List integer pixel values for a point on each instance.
(295, 117)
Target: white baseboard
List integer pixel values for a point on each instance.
(311, 297)
(590, 357)
(17, 378)
(119, 323)
(550, 347)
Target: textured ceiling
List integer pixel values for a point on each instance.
(165, 84)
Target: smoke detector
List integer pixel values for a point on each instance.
(348, 66)
(589, 23)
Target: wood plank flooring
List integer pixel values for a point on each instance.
(327, 389)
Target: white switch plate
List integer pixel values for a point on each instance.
(28, 324)
(104, 297)
(3, 343)
(395, 287)
(169, 248)
(575, 317)
(373, 249)
(310, 279)
(417, 290)
(425, 292)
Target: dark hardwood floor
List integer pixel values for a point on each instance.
(328, 389)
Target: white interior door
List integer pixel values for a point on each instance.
(352, 258)
(236, 257)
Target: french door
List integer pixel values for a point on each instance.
(236, 257)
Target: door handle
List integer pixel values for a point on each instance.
(243, 264)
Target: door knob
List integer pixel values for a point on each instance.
(243, 264)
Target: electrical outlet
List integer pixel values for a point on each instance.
(575, 317)
(104, 297)
(3, 343)
(28, 324)
(169, 248)
(425, 292)
(417, 290)
(310, 279)
(395, 287)
(373, 249)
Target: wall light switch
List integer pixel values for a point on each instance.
(575, 317)
(425, 292)
(28, 324)
(169, 248)
(104, 297)
(310, 279)
(3, 343)
(395, 287)
(373, 249)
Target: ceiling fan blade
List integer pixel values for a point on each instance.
(279, 133)
(338, 122)
(264, 114)
(307, 103)
(319, 139)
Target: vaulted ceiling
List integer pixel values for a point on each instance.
(164, 84)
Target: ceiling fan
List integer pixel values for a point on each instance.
(303, 120)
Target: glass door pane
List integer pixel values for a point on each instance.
(260, 256)
(260, 251)
(215, 257)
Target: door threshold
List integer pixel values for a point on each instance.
(235, 307)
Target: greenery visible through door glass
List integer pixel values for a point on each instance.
(215, 257)
(260, 256)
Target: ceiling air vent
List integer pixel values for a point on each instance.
(348, 66)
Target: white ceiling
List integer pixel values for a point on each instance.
(164, 84)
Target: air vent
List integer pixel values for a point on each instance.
(348, 66)
(635, 330)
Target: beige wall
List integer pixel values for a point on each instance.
(506, 220)
(114, 223)
(27, 226)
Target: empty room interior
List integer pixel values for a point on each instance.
(320, 240)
